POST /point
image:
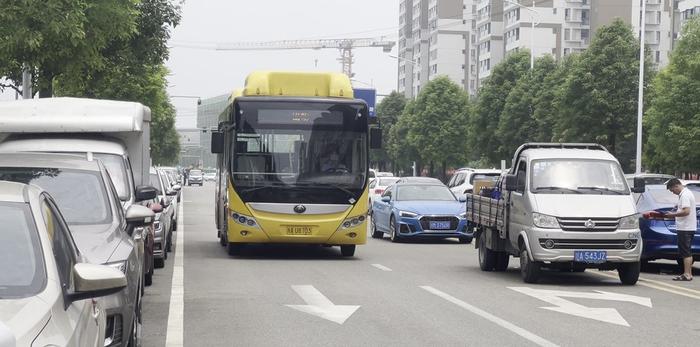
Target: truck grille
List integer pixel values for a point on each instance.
(588, 244)
(425, 221)
(589, 224)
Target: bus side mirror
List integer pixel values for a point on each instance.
(375, 138)
(639, 185)
(511, 182)
(217, 142)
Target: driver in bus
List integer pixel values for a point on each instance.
(330, 162)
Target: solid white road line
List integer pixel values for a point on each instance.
(176, 313)
(498, 321)
(381, 267)
(669, 288)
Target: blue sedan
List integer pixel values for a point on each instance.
(659, 233)
(419, 210)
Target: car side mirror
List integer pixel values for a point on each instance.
(157, 208)
(511, 182)
(386, 199)
(171, 192)
(138, 216)
(462, 198)
(92, 281)
(375, 138)
(165, 202)
(144, 193)
(639, 185)
(177, 187)
(217, 142)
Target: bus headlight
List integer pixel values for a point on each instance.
(244, 220)
(630, 222)
(353, 221)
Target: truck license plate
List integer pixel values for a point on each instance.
(591, 257)
(439, 225)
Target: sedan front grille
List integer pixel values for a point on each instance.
(587, 244)
(425, 221)
(588, 224)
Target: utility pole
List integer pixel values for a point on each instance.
(640, 101)
(26, 83)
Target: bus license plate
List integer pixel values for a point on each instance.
(591, 257)
(440, 225)
(298, 230)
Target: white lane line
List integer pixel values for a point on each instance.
(381, 267)
(669, 288)
(498, 321)
(176, 312)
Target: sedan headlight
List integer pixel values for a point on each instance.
(119, 265)
(629, 222)
(407, 214)
(463, 215)
(544, 221)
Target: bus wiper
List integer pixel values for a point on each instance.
(274, 185)
(316, 185)
(603, 189)
(559, 188)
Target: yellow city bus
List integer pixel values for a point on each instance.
(294, 162)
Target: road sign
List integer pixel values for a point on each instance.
(369, 96)
(608, 315)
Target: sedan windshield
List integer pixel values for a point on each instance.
(293, 152)
(424, 192)
(118, 173)
(81, 195)
(576, 176)
(385, 182)
(22, 271)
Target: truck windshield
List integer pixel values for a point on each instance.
(577, 176)
(22, 271)
(300, 152)
(117, 171)
(81, 195)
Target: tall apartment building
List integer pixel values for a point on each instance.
(434, 39)
(685, 9)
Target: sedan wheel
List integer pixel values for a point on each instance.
(376, 233)
(393, 233)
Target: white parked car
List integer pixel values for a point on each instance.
(378, 186)
(462, 182)
(384, 174)
(47, 290)
(210, 176)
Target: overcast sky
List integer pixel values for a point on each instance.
(208, 73)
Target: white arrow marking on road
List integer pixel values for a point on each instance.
(318, 305)
(608, 315)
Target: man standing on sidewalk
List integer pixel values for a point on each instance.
(686, 224)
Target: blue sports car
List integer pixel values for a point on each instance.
(659, 233)
(419, 210)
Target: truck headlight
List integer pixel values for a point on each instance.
(544, 221)
(629, 222)
(407, 214)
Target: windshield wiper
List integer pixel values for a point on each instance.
(602, 189)
(328, 185)
(559, 188)
(273, 185)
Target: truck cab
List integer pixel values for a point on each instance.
(565, 207)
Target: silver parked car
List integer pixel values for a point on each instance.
(164, 218)
(47, 290)
(172, 191)
(102, 230)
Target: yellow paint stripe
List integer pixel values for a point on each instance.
(659, 286)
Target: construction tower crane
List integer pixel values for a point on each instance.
(344, 45)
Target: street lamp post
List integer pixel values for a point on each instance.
(640, 101)
(532, 31)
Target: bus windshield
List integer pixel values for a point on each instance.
(300, 152)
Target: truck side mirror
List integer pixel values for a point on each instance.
(511, 182)
(375, 138)
(217, 142)
(639, 185)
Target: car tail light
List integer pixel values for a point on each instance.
(653, 215)
(378, 191)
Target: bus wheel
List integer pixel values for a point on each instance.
(234, 248)
(347, 250)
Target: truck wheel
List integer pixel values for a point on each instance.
(234, 248)
(629, 272)
(487, 257)
(376, 233)
(347, 250)
(502, 260)
(530, 270)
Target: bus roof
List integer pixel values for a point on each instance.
(69, 115)
(298, 84)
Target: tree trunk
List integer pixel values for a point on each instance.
(46, 84)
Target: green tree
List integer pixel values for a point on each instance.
(59, 37)
(599, 99)
(438, 124)
(546, 101)
(517, 124)
(673, 119)
(484, 121)
(388, 112)
(398, 148)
